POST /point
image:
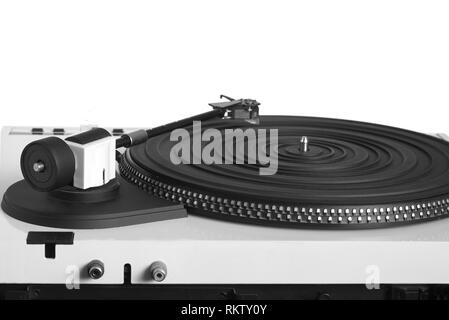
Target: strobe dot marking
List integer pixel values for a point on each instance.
(237, 205)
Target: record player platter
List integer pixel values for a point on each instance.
(351, 175)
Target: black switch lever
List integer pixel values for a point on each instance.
(50, 240)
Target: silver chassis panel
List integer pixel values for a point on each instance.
(203, 251)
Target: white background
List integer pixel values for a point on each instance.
(143, 63)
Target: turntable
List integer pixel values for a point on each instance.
(350, 206)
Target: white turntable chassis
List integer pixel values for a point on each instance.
(198, 250)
